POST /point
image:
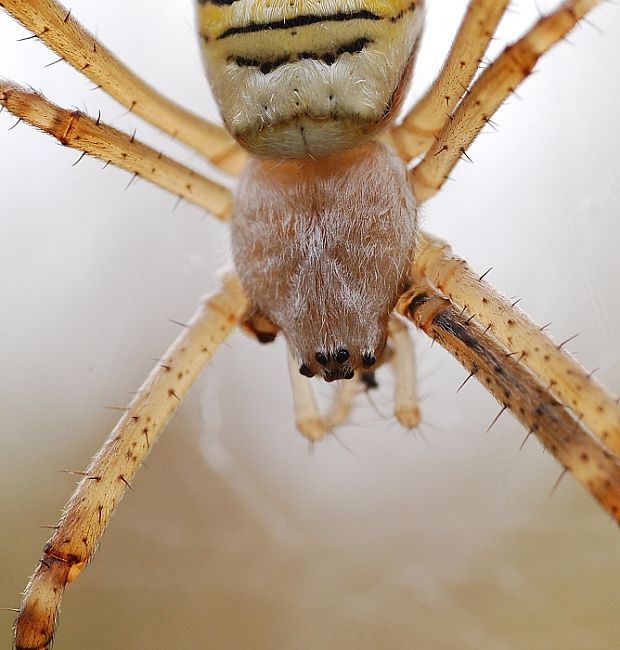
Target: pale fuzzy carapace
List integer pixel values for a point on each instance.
(324, 224)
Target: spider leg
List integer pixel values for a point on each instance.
(59, 30)
(342, 403)
(406, 404)
(517, 389)
(587, 398)
(488, 93)
(309, 420)
(417, 131)
(77, 130)
(110, 473)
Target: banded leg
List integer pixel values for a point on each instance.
(588, 399)
(417, 131)
(76, 130)
(110, 473)
(517, 389)
(58, 29)
(488, 93)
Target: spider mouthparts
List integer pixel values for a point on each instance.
(340, 373)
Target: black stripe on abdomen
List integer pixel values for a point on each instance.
(329, 57)
(299, 21)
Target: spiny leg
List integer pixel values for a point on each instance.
(488, 93)
(76, 130)
(588, 399)
(110, 473)
(417, 131)
(59, 30)
(517, 389)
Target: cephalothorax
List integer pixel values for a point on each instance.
(324, 230)
(323, 248)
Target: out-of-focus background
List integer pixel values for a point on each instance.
(235, 536)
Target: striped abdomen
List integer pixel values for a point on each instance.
(308, 77)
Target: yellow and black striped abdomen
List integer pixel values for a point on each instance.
(307, 77)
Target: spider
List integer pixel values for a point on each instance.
(474, 168)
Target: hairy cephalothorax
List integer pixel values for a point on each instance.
(323, 248)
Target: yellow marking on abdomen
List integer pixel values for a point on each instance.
(218, 22)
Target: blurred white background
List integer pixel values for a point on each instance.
(235, 536)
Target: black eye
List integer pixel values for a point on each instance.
(305, 370)
(321, 358)
(368, 359)
(348, 374)
(342, 355)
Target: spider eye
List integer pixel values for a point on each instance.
(321, 358)
(348, 374)
(305, 370)
(342, 355)
(368, 359)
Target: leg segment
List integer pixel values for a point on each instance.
(567, 380)
(60, 31)
(110, 473)
(76, 130)
(488, 93)
(420, 126)
(514, 386)
(406, 404)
